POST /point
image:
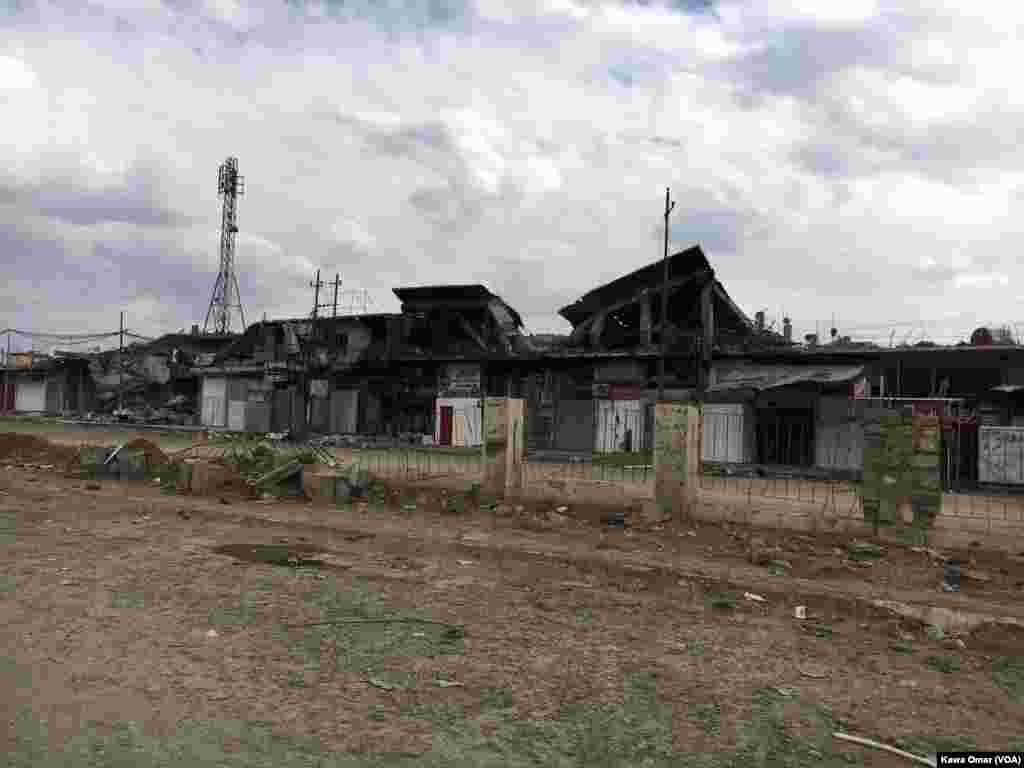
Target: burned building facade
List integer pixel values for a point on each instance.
(417, 374)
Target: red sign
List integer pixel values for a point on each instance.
(624, 391)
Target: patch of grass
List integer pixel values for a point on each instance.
(584, 615)
(19, 675)
(925, 745)
(709, 716)
(367, 647)
(1008, 674)
(237, 615)
(637, 732)
(903, 646)
(695, 647)
(863, 550)
(296, 680)
(7, 583)
(765, 740)
(946, 664)
(776, 568)
(935, 632)
(823, 631)
(720, 600)
(389, 680)
(127, 600)
(455, 504)
(8, 524)
(496, 698)
(441, 715)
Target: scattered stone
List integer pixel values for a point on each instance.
(66, 582)
(224, 500)
(974, 575)
(92, 486)
(561, 510)
(755, 598)
(800, 612)
(816, 671)
(211, 633)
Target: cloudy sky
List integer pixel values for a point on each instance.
(853, 159)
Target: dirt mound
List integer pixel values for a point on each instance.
(16, 447)
(998, 638)
(154, 456)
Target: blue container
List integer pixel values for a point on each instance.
(951, 580)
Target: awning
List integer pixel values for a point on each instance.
(763, 377)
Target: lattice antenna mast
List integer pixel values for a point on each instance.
(226, 297)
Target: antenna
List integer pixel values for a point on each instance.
(226, 297)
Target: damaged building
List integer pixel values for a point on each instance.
(417, 374)
(596, 389)
(155, 381)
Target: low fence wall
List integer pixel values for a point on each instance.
(439, 466)
(785, 503)
(995, 522)
(586, 483)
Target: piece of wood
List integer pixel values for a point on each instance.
(884, 747)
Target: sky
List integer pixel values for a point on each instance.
(855, 163)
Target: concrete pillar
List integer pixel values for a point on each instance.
(677, 443)
(503, 444)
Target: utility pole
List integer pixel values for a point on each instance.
(669, 205)
(7, 375)
(337, 285)
(120, 368)
(316, 285)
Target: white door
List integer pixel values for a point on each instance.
(236, 415)
(215, 394)
(30, 395)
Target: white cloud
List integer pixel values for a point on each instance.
(15, 75)
(824, 161)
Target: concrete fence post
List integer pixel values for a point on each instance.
(677, 446)
(503, 448)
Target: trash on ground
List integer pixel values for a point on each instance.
(752, 596)
(800, 612)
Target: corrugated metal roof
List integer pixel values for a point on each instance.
(762, 377)
(1008, 388)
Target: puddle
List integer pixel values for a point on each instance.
(292, 555)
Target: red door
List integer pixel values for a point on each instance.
(444, 436)
(6, 397)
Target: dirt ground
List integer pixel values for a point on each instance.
(160, 629)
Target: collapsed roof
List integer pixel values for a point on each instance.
(425, 298)
(632, 301)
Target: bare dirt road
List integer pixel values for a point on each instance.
(147, 629)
